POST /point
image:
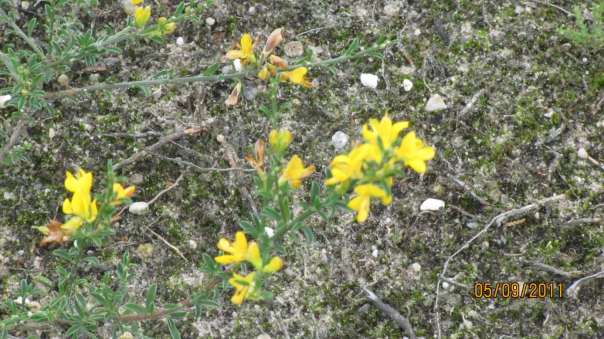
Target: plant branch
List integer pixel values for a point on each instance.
(203, 78)
(4, 17)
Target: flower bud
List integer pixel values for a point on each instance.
(273, 41)
(278, 61)
(234, 96)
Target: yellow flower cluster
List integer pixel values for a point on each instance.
(372, 165)
(81, 207)
(142, 14)
(271, 63)
(241, 251)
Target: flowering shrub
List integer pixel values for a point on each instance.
(371, 166)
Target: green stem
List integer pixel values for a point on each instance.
(9, 65)
(202, 78)
(17, 29)
(114, 39)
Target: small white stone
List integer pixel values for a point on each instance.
(269, 232)
(180, 41)
(51, 133)
(435, 103)
(369, 80)
(139, 208)
(417, 32)
(445, 285)
(192, 244)
(251, 10)
(220, 138)
(432, 205)
(4, 99)
(407, 85)
(339, 140)
(237, 65)
(210, 21)
(415, 267)
(374, 251)
(9, 196)
(582, 153)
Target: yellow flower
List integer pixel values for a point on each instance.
(81, 205)
(121, 192)
(166, 27)
(414, 153)
(296, 76)
(246, 51)
(237, 251)
(279, 140)
(350, 166)
(141, 16)
(245, 287)
(136, 2)
(264, 73)
(295, 171)
(385, 130)
(273, 265)
(361, 203)
(82, 181)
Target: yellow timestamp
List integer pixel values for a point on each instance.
(518, 290)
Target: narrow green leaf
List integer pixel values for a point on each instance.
(174, 333)
(150, 298)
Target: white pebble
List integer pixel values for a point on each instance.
(369, 80)
(374, 251)
(180, 41)
(269, 232)
(415, 267)
(192, 244)
(432, 205)
(339, 140)
(237, 65)
(139, 208)
(210, 21)
(435, 103)
(582, 153)
(445, 285)
(9, 196)
(4, 99)
(407, 85)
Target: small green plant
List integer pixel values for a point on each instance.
(587, 35)
(78, 304)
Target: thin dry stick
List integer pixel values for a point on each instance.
(203, 169)
(13, 139)
(469, 189)
(497, 220)
(552, 269)
(149, 149)
(231, 156)
(471, 103)
(182, 175)
(401, 321)
(174, 248)
(573, 289)
(552, 5)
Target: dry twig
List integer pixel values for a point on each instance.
(401, 321)
(149, 149)
(497, 220)
(573, 290)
